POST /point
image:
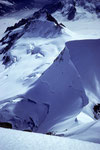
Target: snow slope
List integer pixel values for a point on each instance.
(11, 139)
(40, 50)
(24, 114)
(86, 132)
(55, 87)
(28, 87)
(58, 87)
(85, 55)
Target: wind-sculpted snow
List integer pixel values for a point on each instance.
(85, 55)
(45, 29)
(59, 87)
(27, 50)
(24, 114)
(53, 101)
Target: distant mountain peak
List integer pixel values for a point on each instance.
(40, 24)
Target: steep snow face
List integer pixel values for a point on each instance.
(27, 49)
(85, 56)
(25, 52)
(42, 28)
(59, 92)
(60, 87)
(24, 114)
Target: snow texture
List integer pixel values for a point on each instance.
(48, 86)
(10, 139)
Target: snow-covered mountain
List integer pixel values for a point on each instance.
(41, 25)
(49, 70)
(7, 6)
(74, 8)
(69, 8)
(50, 90)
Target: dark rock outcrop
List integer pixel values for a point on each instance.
(96, 112)
(6, 125)
(71, 12)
